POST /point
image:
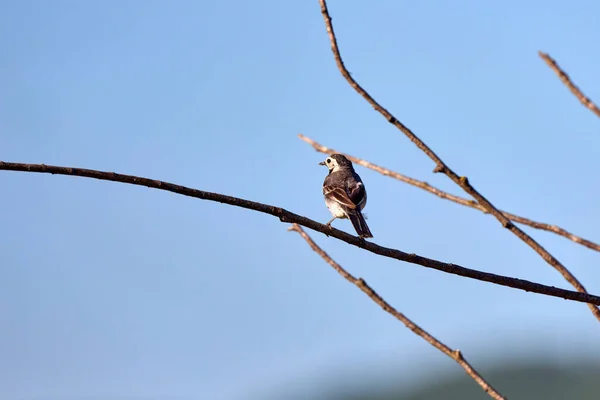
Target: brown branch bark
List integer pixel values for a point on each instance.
(456, 355)
(564, 77)
(289, 217)
(456, 199)
(441, 167)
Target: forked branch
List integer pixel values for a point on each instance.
(287, 216)
(456, 355)
(441, 167)
(564, 77)
(456, 199)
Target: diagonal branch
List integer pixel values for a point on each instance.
(456, 199)
(456, 355)
(440, 166)
(586, 101)
(287, 216)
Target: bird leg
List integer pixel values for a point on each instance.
(329, 223)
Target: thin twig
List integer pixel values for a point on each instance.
(289, 217)
(441, 167)
(456, 199)
(456, 355)
(586, 101)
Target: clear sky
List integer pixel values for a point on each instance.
(113, 291)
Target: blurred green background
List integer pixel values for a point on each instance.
(517, 379)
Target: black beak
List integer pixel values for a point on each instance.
(322, 163)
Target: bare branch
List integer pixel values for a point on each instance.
(287, 216)
(440, 166)
(586, 101)
(456, 199)
(456, 355)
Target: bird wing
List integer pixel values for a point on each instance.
(340, 195)
(357, 192)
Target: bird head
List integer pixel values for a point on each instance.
(336, 162)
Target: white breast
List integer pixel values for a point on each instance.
(335, 208)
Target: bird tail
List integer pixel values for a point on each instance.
(359, 223)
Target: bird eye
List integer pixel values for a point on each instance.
(328, 160)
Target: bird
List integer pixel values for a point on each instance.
(345, 193)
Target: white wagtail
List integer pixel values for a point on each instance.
(345, 193)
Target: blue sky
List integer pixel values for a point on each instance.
(113, 291)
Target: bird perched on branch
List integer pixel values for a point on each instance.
(345, 193)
